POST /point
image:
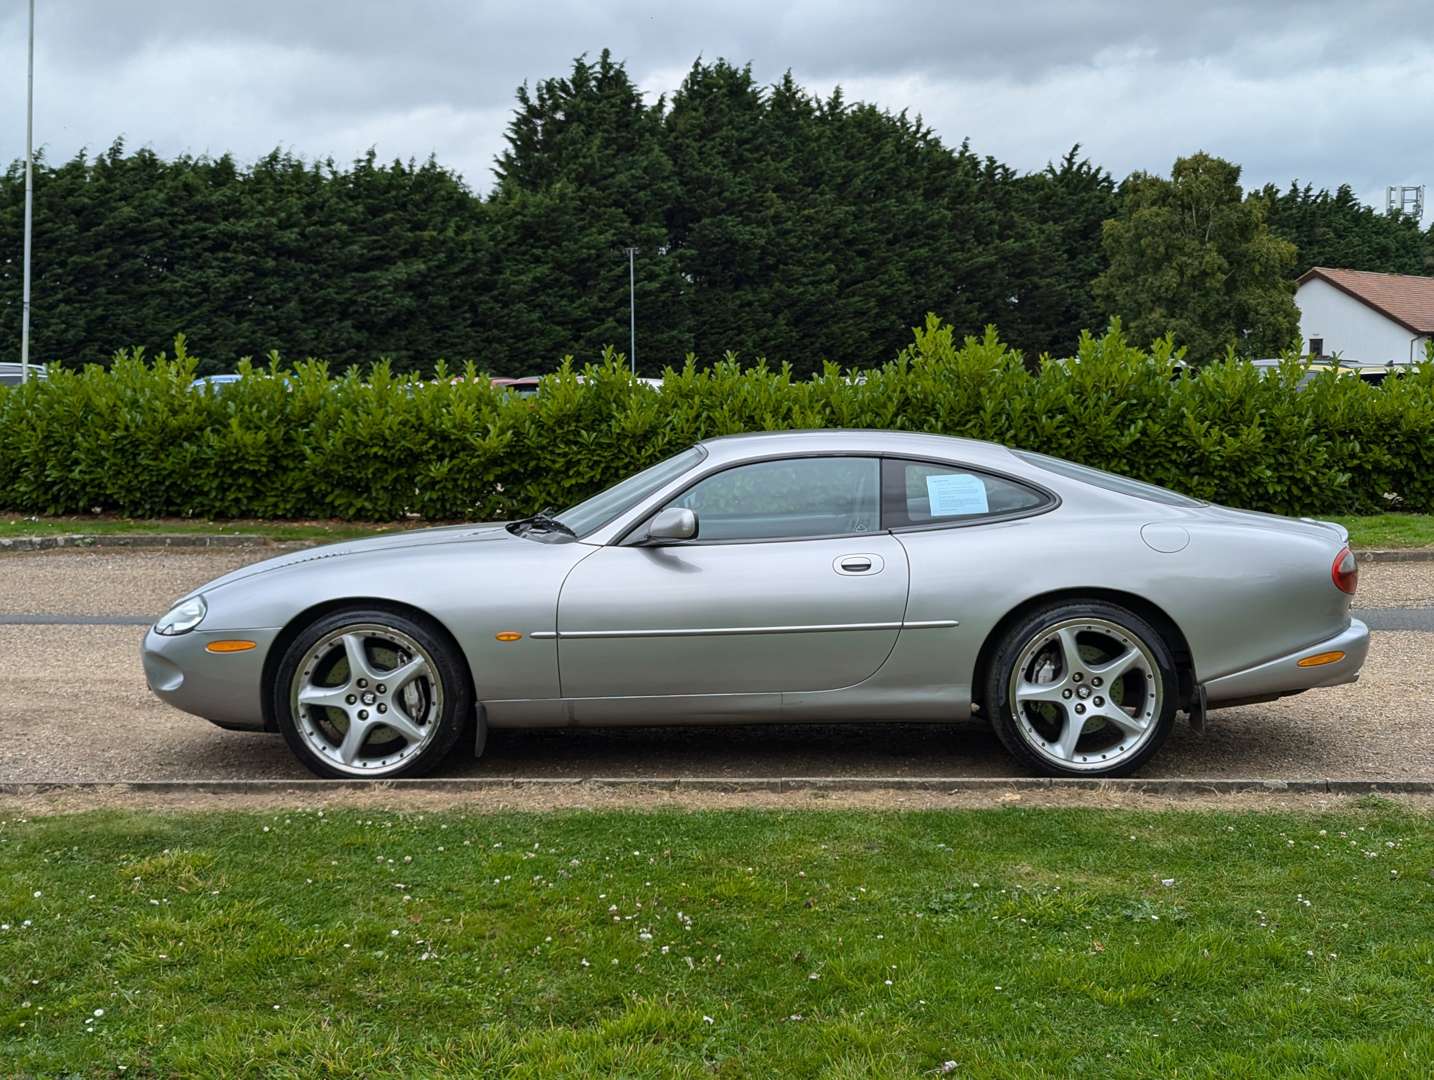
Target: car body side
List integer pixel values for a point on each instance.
(1232, 592)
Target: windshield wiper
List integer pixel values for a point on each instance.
(542, 520)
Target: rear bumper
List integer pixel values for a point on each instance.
(224, 688)
(1282, 676)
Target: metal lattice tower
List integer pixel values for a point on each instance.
(1406, 200)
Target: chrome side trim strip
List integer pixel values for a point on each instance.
(735, 631)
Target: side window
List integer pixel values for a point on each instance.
(787, 499)
(920, 493)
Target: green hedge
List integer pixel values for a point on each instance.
(290, 443)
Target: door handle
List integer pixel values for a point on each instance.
(856, 565)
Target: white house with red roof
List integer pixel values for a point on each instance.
(1360, 315)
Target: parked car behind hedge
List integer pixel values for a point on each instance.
(14, 374)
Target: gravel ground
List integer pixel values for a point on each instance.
(75, 706)
(111, 581)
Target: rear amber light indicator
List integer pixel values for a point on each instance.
(509, 635)
(1320, 659)
(1345, 571)
(229, 646)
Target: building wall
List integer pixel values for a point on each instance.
(1350, 328)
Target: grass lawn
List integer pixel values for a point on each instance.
(1390, 530)
(1013, 942)
(97, 525)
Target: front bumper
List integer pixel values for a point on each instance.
(224, 688)
(1282, 676)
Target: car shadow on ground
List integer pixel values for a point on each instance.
(1239, 743)
(745, 751)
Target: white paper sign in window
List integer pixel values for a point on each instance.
(955, 494)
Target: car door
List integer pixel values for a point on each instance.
(789, 585)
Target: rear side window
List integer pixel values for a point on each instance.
(1122, 485)
(922, 493)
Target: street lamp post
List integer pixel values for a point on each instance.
(29, 202)
(631, 306)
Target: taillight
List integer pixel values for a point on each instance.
(1345, 572)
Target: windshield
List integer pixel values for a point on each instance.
(596, 512)
(1122, 485)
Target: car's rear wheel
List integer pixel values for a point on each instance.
(1082, 689)
(371, 693)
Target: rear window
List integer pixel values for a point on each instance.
(1121, 485)
(923, 493)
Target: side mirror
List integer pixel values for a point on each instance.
(671, 525)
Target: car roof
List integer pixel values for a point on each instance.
(857, 441)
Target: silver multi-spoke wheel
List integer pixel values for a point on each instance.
(1086, 694)
(366, 699)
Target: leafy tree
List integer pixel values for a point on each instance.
(376, 260)
(1189, 255)
(769, 221)
(1336, 229)
(584, 177)
(1068, 204)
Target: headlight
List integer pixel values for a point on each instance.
(183, 617)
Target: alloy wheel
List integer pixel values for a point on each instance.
(1086, 694)
(366, 699)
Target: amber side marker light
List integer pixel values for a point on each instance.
(1320, 659)
(509, 635)
(229, 646)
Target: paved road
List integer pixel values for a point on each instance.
(74, 705)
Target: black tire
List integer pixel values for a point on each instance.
(453, 709)
(1020, 735)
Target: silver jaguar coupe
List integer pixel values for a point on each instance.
(791, 577)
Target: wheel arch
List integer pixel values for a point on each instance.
(1168, 629)
(306, 618)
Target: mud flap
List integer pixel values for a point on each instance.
(1198, 710)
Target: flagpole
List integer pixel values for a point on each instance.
(29, 201)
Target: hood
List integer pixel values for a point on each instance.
(478, 532)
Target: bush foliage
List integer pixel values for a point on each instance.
(295, 442)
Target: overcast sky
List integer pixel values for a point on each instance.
(1326, 92)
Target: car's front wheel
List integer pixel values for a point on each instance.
(1082, 689)
(371, 693)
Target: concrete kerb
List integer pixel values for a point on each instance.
(948, 785)
(86, 541)
(1395, 555)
